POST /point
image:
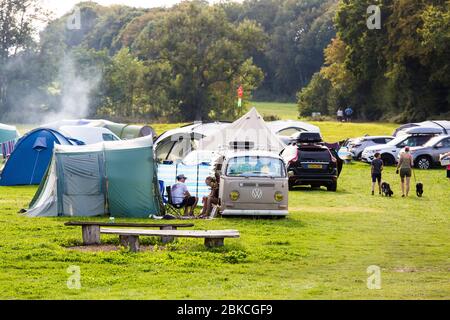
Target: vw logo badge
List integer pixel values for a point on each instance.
(257, 194)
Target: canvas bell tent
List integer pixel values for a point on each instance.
(116, 178)
(250, 129)
(28, 162)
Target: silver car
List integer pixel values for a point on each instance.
(427, 155)
(356, 146)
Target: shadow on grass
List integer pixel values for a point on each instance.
(319, 189)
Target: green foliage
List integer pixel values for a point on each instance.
(124, 87)
(400, 72)
(298, 32)
(193, 58)
(314, 97)
(17, 29)
(205, 56)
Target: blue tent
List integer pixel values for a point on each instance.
(31, 156)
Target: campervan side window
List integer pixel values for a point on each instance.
(254, 166)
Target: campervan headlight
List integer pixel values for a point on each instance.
(278, 196)
(234, 195)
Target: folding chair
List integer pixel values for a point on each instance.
(174, 209)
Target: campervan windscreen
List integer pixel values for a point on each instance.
(255, 166)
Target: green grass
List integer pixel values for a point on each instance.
(284, 111)
(321, 251)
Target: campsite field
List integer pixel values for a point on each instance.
(321, 251)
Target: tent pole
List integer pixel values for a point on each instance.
(198, 173)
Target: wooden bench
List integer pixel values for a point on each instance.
(130, 237)
(91, 229)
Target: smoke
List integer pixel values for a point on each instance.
(75, 90)
(66, 95)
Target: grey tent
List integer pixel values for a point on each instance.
(116, 178)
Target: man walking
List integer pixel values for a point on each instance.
(340, 115)
(376, 170)
(348, 114)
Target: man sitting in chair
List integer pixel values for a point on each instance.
(182, 197)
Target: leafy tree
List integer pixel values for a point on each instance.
(17, 28)
(203, 50)
(124, 85)
(314, 97)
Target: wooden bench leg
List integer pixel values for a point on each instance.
(130, 241)
(214, 242)
(91, 234)
(167, 239)
(123, 241)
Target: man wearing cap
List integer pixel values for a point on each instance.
(181, 195)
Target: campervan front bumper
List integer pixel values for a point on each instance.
(248, 212)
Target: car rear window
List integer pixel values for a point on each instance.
(314, 155)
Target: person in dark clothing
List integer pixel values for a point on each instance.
(348, 114)
(376, 170)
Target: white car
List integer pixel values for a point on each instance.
(389, 151)
(356, 146)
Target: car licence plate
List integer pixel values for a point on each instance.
(314, 166)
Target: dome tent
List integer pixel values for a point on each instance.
(91, 181)
(29, 160)
(122, 130)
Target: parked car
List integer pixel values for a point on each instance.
(428, 155)
(412, 137)
(312, 163)
(252, 183)
(357, 146)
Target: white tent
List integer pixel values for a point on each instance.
(289, 127)
(88, 135)
(251, 129)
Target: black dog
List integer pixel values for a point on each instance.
(419, 189)
(386, 190)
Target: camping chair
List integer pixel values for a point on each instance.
(174, 209)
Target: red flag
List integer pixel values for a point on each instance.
(240, 92)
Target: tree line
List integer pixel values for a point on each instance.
(186, 62)
(177, 64)
(399, 71)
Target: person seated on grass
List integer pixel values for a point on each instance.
(211, 199)
(376, 169)
(182, 197)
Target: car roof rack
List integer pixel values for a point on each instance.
(309, 137)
